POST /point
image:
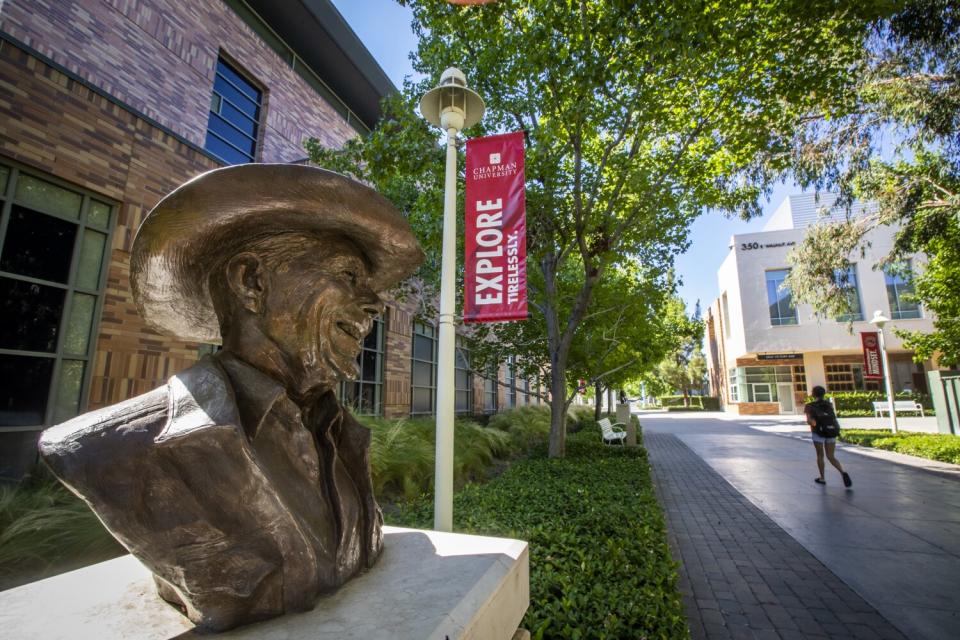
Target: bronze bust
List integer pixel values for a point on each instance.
(242, 484)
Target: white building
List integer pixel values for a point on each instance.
(765, 353)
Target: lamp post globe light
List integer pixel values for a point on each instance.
(452, 107)
(878, 321)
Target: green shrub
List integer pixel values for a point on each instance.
(942, 447)
(528, 427)
(580, 417)
(677, 401)
(710, 403)
(46, 530)
(851, 404)
(690, 408)
(600, 566)
(402, 453)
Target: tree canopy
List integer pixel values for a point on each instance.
(638, 117)
(905, 100)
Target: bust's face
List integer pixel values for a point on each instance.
(318, 308)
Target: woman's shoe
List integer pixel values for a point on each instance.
(847, 482)
(820, 481)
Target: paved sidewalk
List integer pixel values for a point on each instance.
(742, 576)
(894, 538)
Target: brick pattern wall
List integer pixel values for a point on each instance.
(758, 408)
(57, 125)
(399, 350)
(159, 57)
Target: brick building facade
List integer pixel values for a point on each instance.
(105, 107)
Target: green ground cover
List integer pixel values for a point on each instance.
(600, 566)
(933, 446)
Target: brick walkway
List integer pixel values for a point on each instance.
(741, 575)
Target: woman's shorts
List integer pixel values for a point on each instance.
(821, 439)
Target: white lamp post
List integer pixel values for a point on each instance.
(452, 107)
(878, 321)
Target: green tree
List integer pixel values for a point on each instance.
(906, 88)
(631, 325)
(685, 367)
(638, 117)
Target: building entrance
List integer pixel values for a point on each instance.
(785, 395)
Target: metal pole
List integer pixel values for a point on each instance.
(443, 478)
(889, 382)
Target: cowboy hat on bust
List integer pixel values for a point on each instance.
(194, 227)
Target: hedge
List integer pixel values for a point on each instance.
(706, 403)
(943, 447)
(850, 404)
(600, 566)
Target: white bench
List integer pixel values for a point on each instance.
(611, 432)
(882, 407)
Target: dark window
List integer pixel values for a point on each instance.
(782, 310)
(490, 386)
(53, 244)
(365, 394)
(38, 245)
(234, 117)
(423, 375)
(30, 315)
(511, 382)
(899, 280)
(463, 379)
(25, 390)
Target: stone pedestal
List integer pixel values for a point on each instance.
(623, 416)
(427, 585)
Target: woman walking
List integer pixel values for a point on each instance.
(824, 430)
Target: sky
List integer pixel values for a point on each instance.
(384, 27)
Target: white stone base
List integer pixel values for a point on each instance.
(426, 585)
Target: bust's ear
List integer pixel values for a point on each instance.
(246, 279)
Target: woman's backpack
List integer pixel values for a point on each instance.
(826, 419)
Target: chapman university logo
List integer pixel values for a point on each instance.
(495, 168)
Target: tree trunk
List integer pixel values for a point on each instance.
(558, 363)
(686, 396)
(558, 406)
(597, 396)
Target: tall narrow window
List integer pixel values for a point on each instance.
(782, 310)
(726, 315)
(365, 394)
(490, 384)
(463, 379)
(511, 381)
(54, 244)
(234, 116)
(847, 281)
(899, 279)
(423, 396)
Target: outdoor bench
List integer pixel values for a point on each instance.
(898, 405)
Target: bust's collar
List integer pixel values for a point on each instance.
(255, 391)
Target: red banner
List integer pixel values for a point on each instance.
(872, 364)
(496, 228)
